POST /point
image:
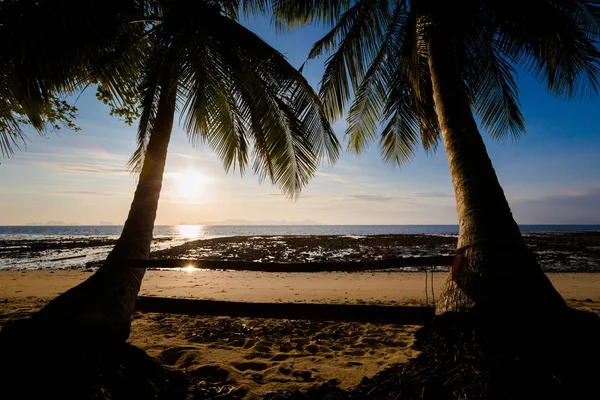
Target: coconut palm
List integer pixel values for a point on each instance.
(232, 91)
(42, 60)
(421, 69)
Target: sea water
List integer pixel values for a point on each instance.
(65, 249)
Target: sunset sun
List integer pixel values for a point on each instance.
(190, 185)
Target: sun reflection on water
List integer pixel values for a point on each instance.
(190, 231)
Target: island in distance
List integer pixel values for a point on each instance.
(261, 222)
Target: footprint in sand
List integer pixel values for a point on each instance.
(188, 362)
(254, 355)
(281, 380)
(356, 353)
(313, 349)
(211, 373)
(262, 348)
(279, 357)
(306, 376)
(395, 343)
(250, 365)
(285, 371)
(370, 341)
(172, 355)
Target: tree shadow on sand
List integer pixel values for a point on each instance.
(466, 355)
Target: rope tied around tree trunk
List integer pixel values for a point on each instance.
(458, 254)
(474, 243)
(460, 250)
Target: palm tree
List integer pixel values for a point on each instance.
(42, 60)
(421, 69)
(233, 92)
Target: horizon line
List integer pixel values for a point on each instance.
(318, 224)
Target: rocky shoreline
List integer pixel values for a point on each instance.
(557, 252)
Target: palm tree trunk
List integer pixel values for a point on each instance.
(493, 268)
(102, 305)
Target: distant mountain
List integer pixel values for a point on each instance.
(261, 222)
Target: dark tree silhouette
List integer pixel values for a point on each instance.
(233, 91)
(420, 69)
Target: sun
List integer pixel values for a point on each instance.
(190, 185)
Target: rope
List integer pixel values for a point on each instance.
(469, 245)
(432, 292)
(474, 243)
(426, 291)
(458, 257)
(427, 288)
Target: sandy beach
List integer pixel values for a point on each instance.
(321, 287)
(253, 356)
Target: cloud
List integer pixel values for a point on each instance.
(331, 177)
(401, 198)
(369, 197)
(85, 193)
(180, 155)
(301, 196)
(86, 168)
(49, 223)
(574, 208)
(80, 153)
(432, 194)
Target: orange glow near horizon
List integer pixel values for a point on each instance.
(190, 231)
(189, 268)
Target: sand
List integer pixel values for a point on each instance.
(254, 356)
(327, 287)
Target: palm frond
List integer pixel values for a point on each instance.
(410, 81)
(149, 93)
(211, 111)
(401, 137)
(11, 134)
(587, 15)
(254, 93)
(289, 14)
(410, 119)
(397, 91)
(357, 39)
(556, 48)
(254, 7)
(54, 47)
(490, 81)
(367, 107)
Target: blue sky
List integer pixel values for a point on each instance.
(550, 176)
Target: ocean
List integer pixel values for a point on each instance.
(35, 232)
(78, 246)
